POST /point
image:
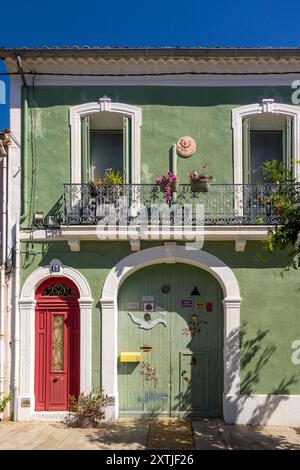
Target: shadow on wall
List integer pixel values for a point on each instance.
(255, 357)
(216, 435)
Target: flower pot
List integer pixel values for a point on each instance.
(173, 186)
(200, 186)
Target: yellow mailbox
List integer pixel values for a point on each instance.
(130, 357)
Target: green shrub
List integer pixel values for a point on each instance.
(88, 410)
(3, 402)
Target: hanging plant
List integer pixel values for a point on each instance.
(168, 184)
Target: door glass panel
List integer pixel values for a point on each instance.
(106, 152)
(58, 343)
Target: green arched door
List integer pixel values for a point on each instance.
(172, 315)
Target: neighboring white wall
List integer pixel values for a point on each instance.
(266, 106)
(104, 104)
(271, 410)
(13, 213)
(170, 253)
(27, 334)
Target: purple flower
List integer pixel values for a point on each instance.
(168, 194)
(166, 181)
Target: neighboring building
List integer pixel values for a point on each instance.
(5, 276)
(164, 327)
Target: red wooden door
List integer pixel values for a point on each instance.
(56, 345)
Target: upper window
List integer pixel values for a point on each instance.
(106, 152)
(265, 137)
(105, 145)
(265, 131)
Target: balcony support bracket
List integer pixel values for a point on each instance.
(170, 252)
(135, 244)
(240, 244)
(74, 244)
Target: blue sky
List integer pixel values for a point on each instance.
(153, 23)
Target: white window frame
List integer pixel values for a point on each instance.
(104, 104)
(266, 106)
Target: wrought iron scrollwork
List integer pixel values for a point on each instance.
(58, 290)
(224, 204)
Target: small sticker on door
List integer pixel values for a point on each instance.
(200, 304)
(133, 305)
(161, 310)
(209, 307)
(148, 307)
(148, 298)
(186, 303)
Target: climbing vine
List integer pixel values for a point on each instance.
(285, 199)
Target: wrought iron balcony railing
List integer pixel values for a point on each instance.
(223, 204)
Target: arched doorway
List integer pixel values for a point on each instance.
(172, 315)
(170, 253)
(57, 344)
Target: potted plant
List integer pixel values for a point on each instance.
(168, 184)
(94, 186)
(110, 183)
(200, 182)
(113, 177)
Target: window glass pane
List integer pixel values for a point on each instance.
(264, 145)
(106, 152)
(58, 343)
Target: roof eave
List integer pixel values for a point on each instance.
(149, 52)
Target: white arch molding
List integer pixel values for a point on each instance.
(172, 253)
(27, 335)
(266, 106)
(104, 104)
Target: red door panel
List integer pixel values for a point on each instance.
(40, 360)
(58, 394)
(74, 352)
(56, 349)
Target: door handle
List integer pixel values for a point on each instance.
(183, 372)
(56, 379)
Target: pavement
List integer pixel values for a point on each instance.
(140, 434)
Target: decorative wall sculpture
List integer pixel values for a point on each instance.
(186, 147)
(146, 325)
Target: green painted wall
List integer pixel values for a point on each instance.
(168, 113)
(269, 313)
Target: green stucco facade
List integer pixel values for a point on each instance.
(270, 301)
(167, 114)
(269, 310)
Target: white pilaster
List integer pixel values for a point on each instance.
(110, 355)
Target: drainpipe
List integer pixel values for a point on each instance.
(24, 174)
(2, 269)
(25, 138)
(17, 322)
